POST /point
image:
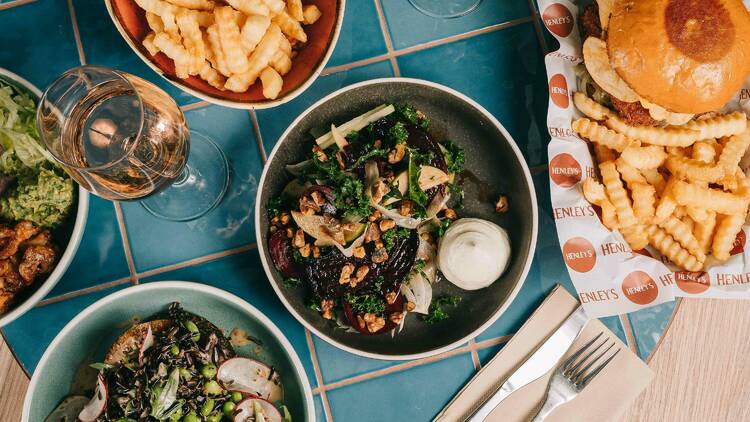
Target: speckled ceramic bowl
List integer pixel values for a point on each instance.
(130, 21)
(497, 167)
(67, 237)
(89, 335)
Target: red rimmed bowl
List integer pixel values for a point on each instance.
(130, 21)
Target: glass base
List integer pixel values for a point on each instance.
(200, 187)
(445, 9)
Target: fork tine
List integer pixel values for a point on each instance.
(582, 383)
(578, 364)
(578, 352)
(577, 376)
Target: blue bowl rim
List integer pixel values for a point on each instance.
(161, 285)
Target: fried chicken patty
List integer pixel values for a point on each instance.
(590, 24)
(633, 113)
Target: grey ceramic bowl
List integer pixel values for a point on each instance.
(491, 155)
(86, 338)
(67, 237)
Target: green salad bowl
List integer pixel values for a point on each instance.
(67, 236)
(64, 368)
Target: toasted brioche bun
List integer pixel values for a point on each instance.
(132, 339)
(688, 56)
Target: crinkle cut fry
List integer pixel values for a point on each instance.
(617, 194)
(670, 248)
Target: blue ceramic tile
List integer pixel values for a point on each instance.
(417, 394)
(156, 242)
(648, 326)
(409, 27)
(37, 41)
(614, 325)
(547, 270)
(101, 256)
(361, 36)
(320, 414)
(243, 276)
(29, 335)
(486, 354)
(275, 121)
(336, 364)
(103, 45)
(503, 71)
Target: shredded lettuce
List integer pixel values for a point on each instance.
(42, 192)
(589, 87)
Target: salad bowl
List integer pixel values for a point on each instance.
(64, 369)
(67, 236)
(494, 166)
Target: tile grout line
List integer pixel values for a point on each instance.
(76, 32)
(387, 38)
(82, 292)
(629, 336)
(199, 260)
(258, 136)
(183, 264)
(125, 242)
(474, 355)
(194, 106)
(12, 4)
(538, 28)
(410, 364)
(318, 376)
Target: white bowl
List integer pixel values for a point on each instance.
(44, 287)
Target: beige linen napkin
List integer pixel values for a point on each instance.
(606, 396)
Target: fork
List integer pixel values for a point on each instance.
(573, 375)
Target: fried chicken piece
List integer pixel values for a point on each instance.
(10, 283)
(12, 238)
(37, 260)
(590, 24)
(43, 238)
(633, 113)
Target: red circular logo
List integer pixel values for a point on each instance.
(640, 288)
(739, 243)
(564, 170)
(579, 254)
(558, 19)
(692, 282)
(558, 90)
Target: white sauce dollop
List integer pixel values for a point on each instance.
(473, 253)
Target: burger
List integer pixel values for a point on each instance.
(664, 62)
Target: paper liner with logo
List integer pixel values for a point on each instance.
(609, 277)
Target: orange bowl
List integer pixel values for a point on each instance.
(310, 60)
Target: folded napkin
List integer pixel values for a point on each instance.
(604, 399)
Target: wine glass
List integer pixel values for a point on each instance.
(124, 139)
(445, 9)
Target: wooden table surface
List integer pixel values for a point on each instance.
(702, 369)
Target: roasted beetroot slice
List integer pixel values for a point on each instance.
(400, 261)
(282, 255)
(396, 306)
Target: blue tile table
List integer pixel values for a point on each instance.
(494, 55)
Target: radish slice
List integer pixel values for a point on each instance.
(68, 409)
(250, 376)
(148, 341)
(247, 409)
(95, 407)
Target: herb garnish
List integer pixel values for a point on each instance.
(454, 157)
(292, 282)
(411, 114)
(398, 133)
(436, 313)
(443, 226)
(273, 208)
(349, 190)
(365, 303)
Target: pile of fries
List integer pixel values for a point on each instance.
(229, 44)
(678, 188)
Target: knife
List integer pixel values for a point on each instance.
(538, 364)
